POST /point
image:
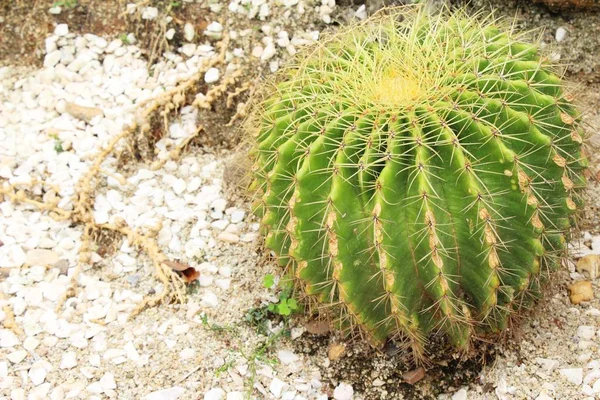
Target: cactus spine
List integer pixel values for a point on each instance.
(418, 174)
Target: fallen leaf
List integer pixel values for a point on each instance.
(176, 266)
(414, 376)
(581, 291)
(188, 273)
(317, 327)
(335, 351)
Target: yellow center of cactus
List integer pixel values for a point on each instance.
(395, 87)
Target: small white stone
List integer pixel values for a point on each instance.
(237, 216)
(573, 375)
(31, 343)
(228, 237)
(170, 34)
(189, 32)
(108, 381)
(41, 257)
(17, 356)
(188, 49)
(277, 386)
(37, 374)
(61, 30)
(586, 332)
(186, 354)
(549, 365)
(256, 51)
(210, 299)
(52, 58)
(596, 387)
(561, 34)
(54, 10)
(220, 224)
(460, 395)
(542, 396)
(172, 393)
(69, 360)
(8, 338)
(343, 392)
(150, 13)
(212, 75)
(361, 12)
(287, 357)
(268, 52)
(214, 394)
(225, 271)
(214, 30)
(235, 396)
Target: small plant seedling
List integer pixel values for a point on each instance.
(124, 39)
(269, 281)
(57, 143)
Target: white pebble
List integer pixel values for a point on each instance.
(343, 392)
(61, 30)
(210, 299)
(277, 386)
(172, 393)
(212, 75)
(214, 394)
(586, 332)
(548, 364)
(189, 32)
(17, 356)
(150, 13)
(561, 34)
(573, 375)
(287, 357)
(37, 374)
(8, 338)
(460, 395)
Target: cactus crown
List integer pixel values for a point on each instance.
(418, 175)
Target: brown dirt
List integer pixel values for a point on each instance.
(24, 24)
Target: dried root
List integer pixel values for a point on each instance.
(83, 200)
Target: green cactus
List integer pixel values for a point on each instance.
(418, 175)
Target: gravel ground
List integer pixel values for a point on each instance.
(172, 187)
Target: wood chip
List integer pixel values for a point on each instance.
(581, 291)
(83, 113)
(589, 266)
(414, 376)
(336, 350)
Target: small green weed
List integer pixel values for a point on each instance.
(57, 143)
(65, 3)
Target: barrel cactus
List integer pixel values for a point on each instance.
(418, 175)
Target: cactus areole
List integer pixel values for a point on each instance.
(418, 175)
